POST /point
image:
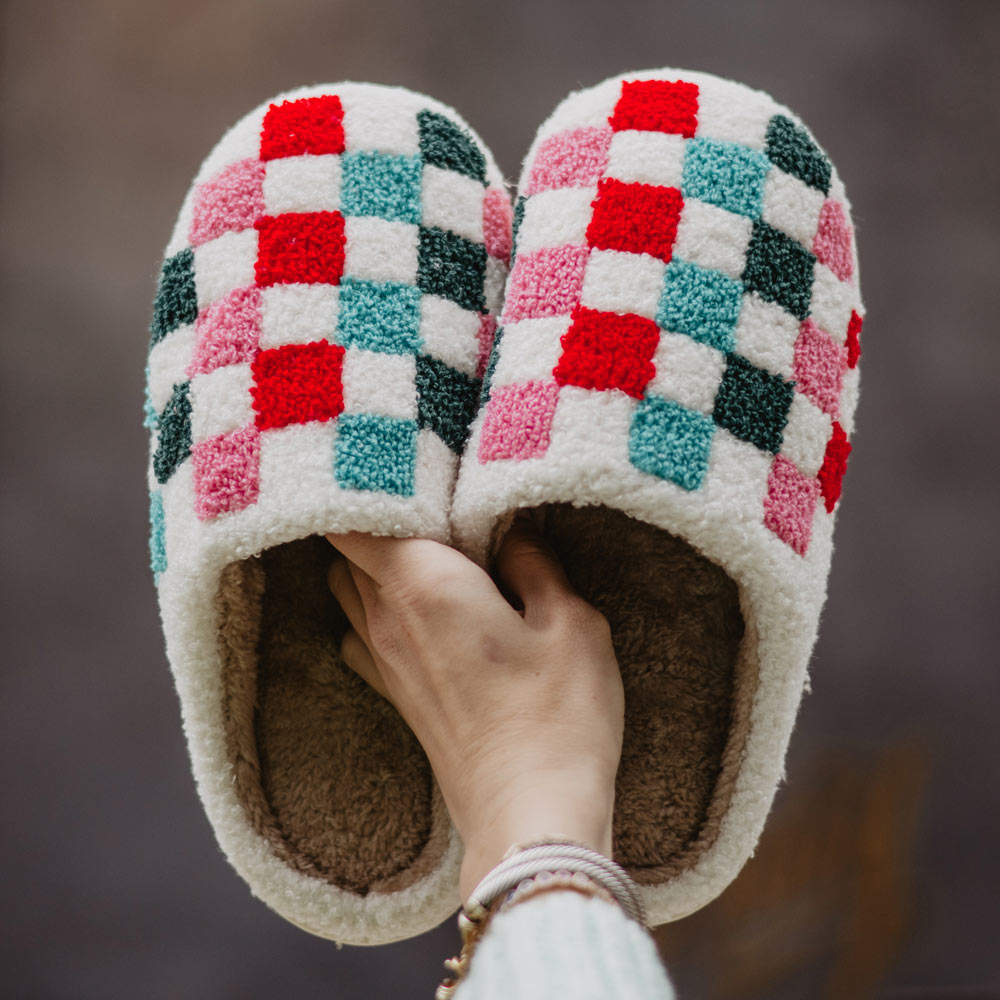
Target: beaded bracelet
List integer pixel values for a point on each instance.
(527, 871)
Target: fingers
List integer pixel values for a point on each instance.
(529, 568)
(342, 580)
(377, 556)
(358, 657)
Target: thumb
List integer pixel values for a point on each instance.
(529, 568)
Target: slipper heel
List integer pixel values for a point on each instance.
(319, 336)
(674, 382)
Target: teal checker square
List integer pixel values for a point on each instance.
(670, 441)
(382, 185)
(702, 303)
(157, 535)
(447, 400)
(725, 174)
(444, 144)
(379, 316)
(452, 267)
(779, 270)
(376, 453)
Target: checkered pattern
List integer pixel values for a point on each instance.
(700, 263)
(343, 271)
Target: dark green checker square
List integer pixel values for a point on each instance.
(670, 441)
(382, 185)
(444, 144)
(753, 404)
(174, 433)
(452, 267)
(701, 303)
(176, 301)
(379, 316)
(725, 174)
(790, 147)
(516, 226)
(779, 270)
(491, 366)
(446, 401)
(376, 453)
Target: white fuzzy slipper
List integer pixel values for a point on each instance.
(674, 383)
(320, 330)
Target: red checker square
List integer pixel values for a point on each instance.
(311, 125)
(636, 218)
(657, 106)
(853, 343)
(790, 504)
(300, 247)
(226, 473)
(297, 383)
(831, 473)
(604, 350)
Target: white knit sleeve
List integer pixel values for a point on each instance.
(565, 946)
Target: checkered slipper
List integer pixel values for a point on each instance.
(673, 383)
(321, 325)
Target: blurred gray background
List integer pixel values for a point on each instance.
(878, 874)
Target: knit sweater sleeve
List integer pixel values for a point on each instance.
(565, 946)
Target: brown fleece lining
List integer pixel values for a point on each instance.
(331, 776)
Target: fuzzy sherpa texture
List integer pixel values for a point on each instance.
(679, 344)
(319, 336)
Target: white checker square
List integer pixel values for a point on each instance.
(832, 302)
(530, 349)
(639, 157)
(302, 184)
(437, 466)
(687, 372)
(168, 363)
(589, 429)
(221, 402)
(384, 384)
(806, 434)
(298, 314)
(731, 113)
(379, 250)
(849, 399)
(555, 219)
(766, 335)
(792, 206)
(385, 126)
(493, 284)
(454, 202)
(224, 264)
(296, 462)
(449, 333)
(623, 282)
(737, 476)
(712, 237)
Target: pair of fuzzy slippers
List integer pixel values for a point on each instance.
(668, 372)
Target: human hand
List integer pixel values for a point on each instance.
(520, 713)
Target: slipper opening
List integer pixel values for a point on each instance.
(324, 768)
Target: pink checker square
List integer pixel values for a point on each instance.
(227, 332)
(545, 283)
(230, 201)
(833, 242)
(790, 504)
(518, 421)
(575, 158)
(226, 473)
(485, 336)
(819, 366)
(498, 218)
